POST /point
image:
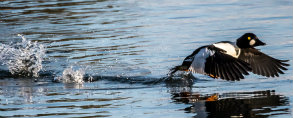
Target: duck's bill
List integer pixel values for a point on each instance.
(259, 43)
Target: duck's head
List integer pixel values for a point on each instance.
(249, 40)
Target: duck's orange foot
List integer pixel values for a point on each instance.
(213, 98)
(213, 76)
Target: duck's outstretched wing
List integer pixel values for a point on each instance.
(263, 64)
(225, 66)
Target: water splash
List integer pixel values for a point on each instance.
(23, 58)
(70, 75)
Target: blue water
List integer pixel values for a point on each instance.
(128, 46)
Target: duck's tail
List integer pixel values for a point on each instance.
(173, 70)
(176, 68)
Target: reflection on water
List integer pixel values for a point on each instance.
(258, 104)
(109, 99)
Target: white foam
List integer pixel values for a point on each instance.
(23, 58)
(70, 75)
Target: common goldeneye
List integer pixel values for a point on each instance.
(231, 60)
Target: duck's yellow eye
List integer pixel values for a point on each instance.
(248, 38)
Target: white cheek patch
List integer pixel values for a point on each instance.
(252, 42)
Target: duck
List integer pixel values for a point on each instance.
(232, 60)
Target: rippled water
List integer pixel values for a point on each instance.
(123, 49)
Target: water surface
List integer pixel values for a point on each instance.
(129, 46)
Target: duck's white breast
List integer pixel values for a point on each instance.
(198, 64)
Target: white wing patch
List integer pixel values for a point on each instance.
(229, 48)
(198, 64)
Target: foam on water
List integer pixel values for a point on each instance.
(23, 58)
(70, 75)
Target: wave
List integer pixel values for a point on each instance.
(25, 58)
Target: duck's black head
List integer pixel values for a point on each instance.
(248, 40)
